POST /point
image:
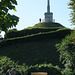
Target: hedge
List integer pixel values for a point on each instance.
(13, 34)
(49, 68)
(35, 37)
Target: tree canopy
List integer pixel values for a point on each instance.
(6, 19)
(72, 6)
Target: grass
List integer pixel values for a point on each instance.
(48, 24)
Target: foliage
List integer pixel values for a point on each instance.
(67, 47)
(36, 31)
(49, 68)
(6, 63)
(61, 33)
(31, 49)
(32, 52)
(67, 53)
(6, 19)
(11, 31)
(72, 6)
(25, 32)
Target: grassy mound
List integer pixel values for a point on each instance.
(48, 24)
(34, 49)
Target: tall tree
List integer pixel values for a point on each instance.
(72, 6)
(6, 19)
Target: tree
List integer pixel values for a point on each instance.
(6, 19)
(72, 6)
(67, 53)
(67, 47)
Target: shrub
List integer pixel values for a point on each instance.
(6, 63)
(49, 68)
(39, 36)
(14, 33)
(9, 32)
(67, 54)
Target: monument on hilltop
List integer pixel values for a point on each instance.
(48, 14)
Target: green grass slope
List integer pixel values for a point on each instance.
(38, 28)
(34, 49)
(48, 24)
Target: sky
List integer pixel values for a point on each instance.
(29, 12)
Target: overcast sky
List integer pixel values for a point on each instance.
(29, 12)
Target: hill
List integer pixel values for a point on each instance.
(34, 48)
(48, 24)
(37, 28)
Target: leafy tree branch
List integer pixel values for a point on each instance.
(6, 19)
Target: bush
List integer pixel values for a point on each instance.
(25, 32)
(9, 32)
(49, 68)
(6, 63)
(39, 36)
(67, 54)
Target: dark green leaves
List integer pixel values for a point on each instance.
(14, 2)
(67, 53)
(72, 6)
(6, 19)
